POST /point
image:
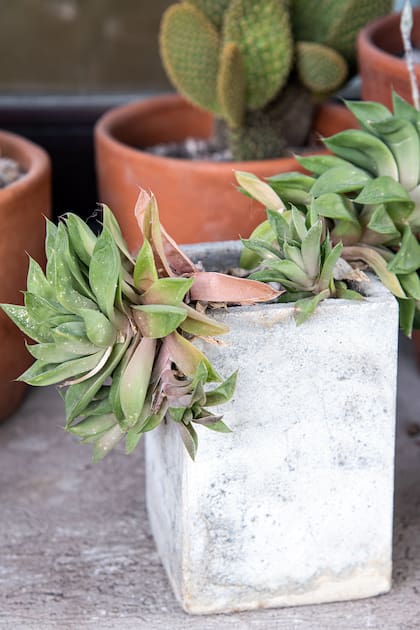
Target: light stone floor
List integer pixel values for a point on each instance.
(76, 551)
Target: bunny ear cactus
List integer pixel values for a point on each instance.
(368, 194)
(116, 331)
(246, 60)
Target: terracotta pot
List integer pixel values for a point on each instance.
(23, 207)
(198, 200)
(382, 68)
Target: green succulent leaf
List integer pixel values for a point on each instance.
(37, 282)
(319, 164)
(292, 187)
(63, 250)
(407, 313)
(411, 284)
(263, 232)
(52, 353)
(145, 273)
(340, 179)
(223, 392)
(111, 226)
(41, 309)
(311, 250)
(157, 320)
(167, 291)
(364, 150)
(93, 425)
(65, 291)
(82, 239)
(381, 222)
(402, 138)
(407, 259)
(71, 337)
(106, 442)
(55, 373)
(214, 423)
(78, 396)
(19, 315)
(298, 221)
(99, 329)
(135, 380)
(131, 440)
(403, 109)
(368, 112)
(306, 307)
(330, 262)
(201, 325)
(51, 233)
(104, 272)
(189, 438)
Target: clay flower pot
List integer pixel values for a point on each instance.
(198, 200)
(382, 68)
(23, 207)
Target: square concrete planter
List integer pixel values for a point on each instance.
(295, 506)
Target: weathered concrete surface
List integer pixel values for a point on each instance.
(295, 505)
(76, 552)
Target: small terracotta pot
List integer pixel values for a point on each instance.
(198, 200)
(382, 68)
(23, 207)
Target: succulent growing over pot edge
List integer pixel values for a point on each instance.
(260, 65)
(116, 331)
(368, 193)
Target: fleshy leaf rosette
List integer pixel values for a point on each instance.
(367, 196)
(116, 331)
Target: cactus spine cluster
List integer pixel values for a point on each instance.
(237, 58)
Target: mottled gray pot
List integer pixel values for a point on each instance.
(295, 506)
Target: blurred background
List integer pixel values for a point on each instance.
(64, 63)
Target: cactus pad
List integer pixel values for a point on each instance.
(320, 68)
(335, 23)
(261, 29)
(212, 9)
(189, 46)
(231, 85)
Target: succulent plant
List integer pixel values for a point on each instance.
(117, 331)
(293, 248)
(367, 194)
(260, 65)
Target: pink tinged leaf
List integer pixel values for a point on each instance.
(167, 252)
(200, 325)
(156, 320)
(211, 286)
(169, 291)
(135, 380)
(189, 438)
(187, 357)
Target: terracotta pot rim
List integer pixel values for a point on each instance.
(105, 128)
(38, 159)
(379, 56)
